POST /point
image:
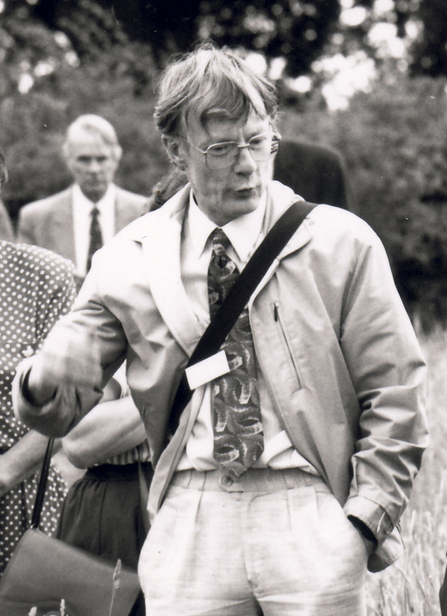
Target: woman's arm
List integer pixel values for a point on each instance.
(109, 429)
(23, 460)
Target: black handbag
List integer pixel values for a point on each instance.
(44, 571)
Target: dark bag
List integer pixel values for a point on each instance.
(43, 571)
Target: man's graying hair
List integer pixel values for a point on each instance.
(206, 80)
(95, 125)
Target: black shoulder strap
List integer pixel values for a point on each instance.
(40, 495)
(238, 297)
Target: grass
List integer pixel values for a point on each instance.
(411, 585)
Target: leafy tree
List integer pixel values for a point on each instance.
(393, 140)
(429, 51)
(294, 30)
(290, 29)
(421, 24)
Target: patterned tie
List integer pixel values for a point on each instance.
(238, 435)
(95, 236)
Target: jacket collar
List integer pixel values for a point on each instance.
(160, 235)
(280, 198)
(62, 225)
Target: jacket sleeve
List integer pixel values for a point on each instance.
(6, 232)
(388, 372)
(25, 228)
(70, 403)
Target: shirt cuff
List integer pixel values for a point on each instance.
(371, 514)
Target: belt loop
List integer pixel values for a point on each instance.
(289, 478)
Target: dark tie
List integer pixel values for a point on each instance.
(95, 236)
(238, 435)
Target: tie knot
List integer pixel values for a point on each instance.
(220, 242)
(94, 212)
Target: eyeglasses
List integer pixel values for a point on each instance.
(222, 155)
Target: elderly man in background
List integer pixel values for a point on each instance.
(77, 221)
(282, 512)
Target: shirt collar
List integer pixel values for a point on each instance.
(243, 232)
(83, 202)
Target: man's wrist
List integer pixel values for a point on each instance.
(44, 396)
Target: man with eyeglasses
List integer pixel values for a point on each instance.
(294, 460)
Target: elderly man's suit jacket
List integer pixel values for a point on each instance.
(315, 172)
(49, 222)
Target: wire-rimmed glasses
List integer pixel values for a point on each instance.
(222, 155)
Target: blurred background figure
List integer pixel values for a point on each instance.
(36, 289)
(6, 232)
(316, 173)
(77, 221)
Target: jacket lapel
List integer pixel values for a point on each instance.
(161, 241)
(63, 227)
(161, 248)
(126, 209)
(119, 208)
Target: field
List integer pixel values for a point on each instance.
(411, 586)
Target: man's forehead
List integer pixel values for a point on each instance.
(89, 144)
(219, 119)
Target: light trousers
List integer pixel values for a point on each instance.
(275, 543)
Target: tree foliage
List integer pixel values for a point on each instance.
(296, 30)
(394, 142)
(291, 29)
(429, 51)
(62, 58)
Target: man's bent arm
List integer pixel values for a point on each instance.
(388, 372)
(109, 429)
(72, 368)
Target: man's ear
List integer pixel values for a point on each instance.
(173, 149)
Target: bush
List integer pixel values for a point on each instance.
(394, 142)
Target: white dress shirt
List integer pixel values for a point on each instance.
(82, 208)
(245, 234)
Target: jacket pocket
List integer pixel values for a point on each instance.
(286, 343)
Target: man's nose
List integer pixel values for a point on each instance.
(245, 163)
(94, 165)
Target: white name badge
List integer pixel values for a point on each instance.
(207, 370)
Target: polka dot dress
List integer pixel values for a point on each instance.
(36, 289)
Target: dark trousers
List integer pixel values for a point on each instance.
(102, 514)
